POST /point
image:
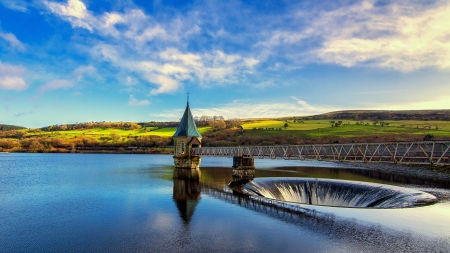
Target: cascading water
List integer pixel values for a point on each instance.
(338, 193)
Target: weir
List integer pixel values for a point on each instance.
(333, 192)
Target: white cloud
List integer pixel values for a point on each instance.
(11, 77)
(13, 41)
(276, 109)
(6, 69)
(135, 102)
(173, 55)
(154, 50)
(75, 12)
(12, 83)
(251, 109)
(130, 81)
(82, 71)
(403, 38)
(165, 83)
(303, 103)
(401, 35)
(17, 5)
(56, 84)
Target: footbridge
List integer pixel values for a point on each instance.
(422, 152)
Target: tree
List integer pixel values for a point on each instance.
(286, 125)
(115, 137)
(217, 124)
(428, 137)
(36, 146)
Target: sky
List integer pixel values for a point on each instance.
(69, 61)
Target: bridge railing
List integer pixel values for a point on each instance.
(422, 152)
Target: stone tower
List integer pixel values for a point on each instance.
(185, 138)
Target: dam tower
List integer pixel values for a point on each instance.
(185, 139)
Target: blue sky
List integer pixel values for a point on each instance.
(133, 60)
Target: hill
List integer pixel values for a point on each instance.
(386, 115)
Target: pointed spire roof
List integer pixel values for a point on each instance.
(187, 125)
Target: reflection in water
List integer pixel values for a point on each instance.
(186, 191)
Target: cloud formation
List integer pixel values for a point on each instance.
(17, 5)
(83, 71)
(251, 109)
(56, 84)
(155, 53)
(11, 77)
(400, 35)
(135, 102)
(74, 11)
(12, 40)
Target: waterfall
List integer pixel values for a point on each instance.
(338, 193)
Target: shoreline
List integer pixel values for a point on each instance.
(100, 151)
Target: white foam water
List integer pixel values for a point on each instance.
(337, 193)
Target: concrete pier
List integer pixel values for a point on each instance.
(243, 168)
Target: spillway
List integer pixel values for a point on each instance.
(337, 193)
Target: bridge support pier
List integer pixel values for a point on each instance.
(243, 168)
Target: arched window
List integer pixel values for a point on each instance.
(182, 147)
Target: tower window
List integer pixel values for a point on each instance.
(182, 147)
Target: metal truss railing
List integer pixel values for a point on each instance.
(423, 152)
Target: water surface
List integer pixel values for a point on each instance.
(117, 203)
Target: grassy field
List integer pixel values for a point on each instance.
(100, 132)
(349, 129)
(314, 124)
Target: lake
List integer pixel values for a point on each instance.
(131, 203)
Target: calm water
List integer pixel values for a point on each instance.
(118, 203)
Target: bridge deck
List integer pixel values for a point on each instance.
(423, 152)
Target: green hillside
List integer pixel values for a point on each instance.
(150, 137)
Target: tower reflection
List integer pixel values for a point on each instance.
(186, 191)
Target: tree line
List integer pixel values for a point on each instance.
(51, 144)
(4, 127)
